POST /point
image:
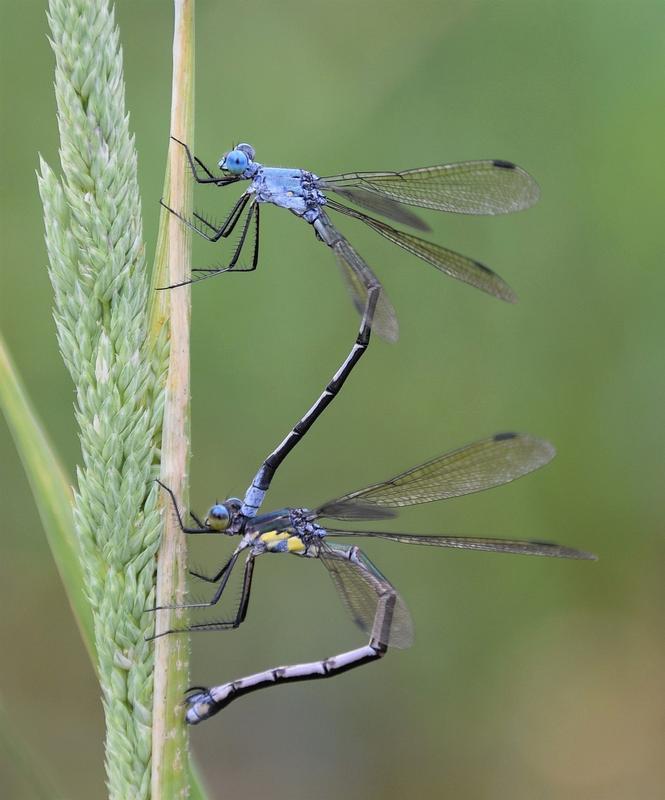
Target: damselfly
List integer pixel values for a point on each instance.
(369, 596)
(473, 187)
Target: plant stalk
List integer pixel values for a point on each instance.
(170, 741)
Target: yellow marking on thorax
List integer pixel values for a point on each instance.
(272, 540)
(272, 537)
(295, 545)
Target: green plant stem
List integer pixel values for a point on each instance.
(170, 742)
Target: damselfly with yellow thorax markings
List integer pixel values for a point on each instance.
(369, 596)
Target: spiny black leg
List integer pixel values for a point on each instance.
(206, 222)
(255, 259)
(210, 271)
(241, 613)
(243, 236)
(225, 229)
(219, 575)
(234, 216)
(224, 574)
(232, 267)
(197, 520)
(193, 161)
(210, 225)
(242, 605)
(222, 626)
(246, 588)
(202, 529)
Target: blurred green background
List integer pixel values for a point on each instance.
(529, 678)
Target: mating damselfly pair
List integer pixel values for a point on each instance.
(483, 187)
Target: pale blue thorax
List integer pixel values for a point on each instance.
(290, 188)
(293, 189)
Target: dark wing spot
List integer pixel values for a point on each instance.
(504, 164)
(500, 437)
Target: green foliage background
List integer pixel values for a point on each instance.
(528, 678)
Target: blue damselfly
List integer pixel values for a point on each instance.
(487, 187)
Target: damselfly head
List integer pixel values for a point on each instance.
(247, 149)
(237, 160)
(221, 515)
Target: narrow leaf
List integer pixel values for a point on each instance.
(50, 487)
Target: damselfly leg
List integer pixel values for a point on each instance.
(390, 626)
(218, 625)
(225, 230)
(219, 180)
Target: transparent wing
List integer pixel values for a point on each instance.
(380, 204)
(362, 589)
(482, 465)
(451, 263)
(470, 187)
(357, 277)
(279, 520)
(352, 511)
(524, 547)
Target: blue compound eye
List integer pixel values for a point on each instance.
(218, 517)
(235, 162)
